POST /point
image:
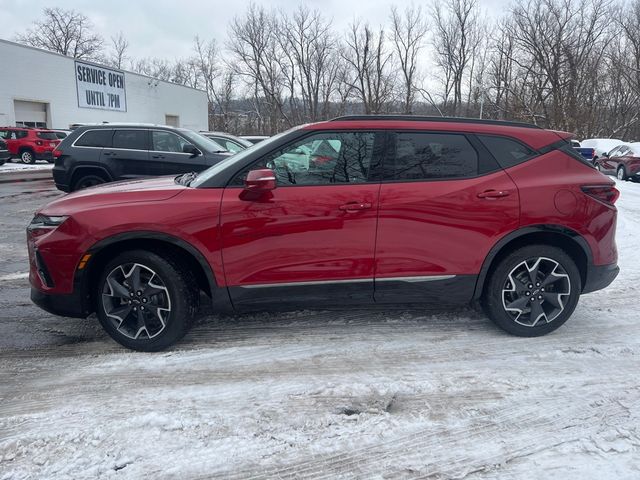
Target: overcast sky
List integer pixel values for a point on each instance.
(166, 28)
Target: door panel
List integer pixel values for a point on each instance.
(300, 234)
(130, 154)
(440, 228)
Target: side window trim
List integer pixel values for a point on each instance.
(536, 153)
(390, 152)
(378, 149)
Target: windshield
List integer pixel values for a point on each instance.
(202, 142)
(238, 157)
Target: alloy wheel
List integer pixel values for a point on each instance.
(620, 173)
(26, 157)
(536, 291)
(136, 301)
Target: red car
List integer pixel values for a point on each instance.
(623, 162)
(401, 210)
(30, 144)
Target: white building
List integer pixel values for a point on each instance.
(46, 89)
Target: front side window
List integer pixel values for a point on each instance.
(95, 138)
(427, 156)
(320, 159)
(167, 142)
(130, 139)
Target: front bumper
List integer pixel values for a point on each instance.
(71, 305)
(599, 277)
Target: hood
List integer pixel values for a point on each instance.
(128, 191)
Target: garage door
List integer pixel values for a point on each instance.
(30, 114)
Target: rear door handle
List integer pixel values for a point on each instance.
(493, 194)
(109, 154)
(355, 206)
(157, 156)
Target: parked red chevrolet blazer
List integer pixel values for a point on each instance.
(356, 211)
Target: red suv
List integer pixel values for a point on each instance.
(355, 211)
(30, 144)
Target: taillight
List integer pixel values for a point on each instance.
(57, 153)
(607, 194)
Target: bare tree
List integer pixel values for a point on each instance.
(256, 57)
(456, 25)
(119, 48)
(408, 31)
(371, 77)
(64, 31)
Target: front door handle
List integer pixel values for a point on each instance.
(493, 194)
(355, 206)
(157, 156)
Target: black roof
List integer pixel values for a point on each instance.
(418, 118)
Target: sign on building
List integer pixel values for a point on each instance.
(100, 87)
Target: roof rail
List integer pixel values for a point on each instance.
(418, 118)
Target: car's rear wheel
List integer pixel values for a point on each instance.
(532, 291)
(27, 156)
(621, 173)
(146, 301)
(87, 181)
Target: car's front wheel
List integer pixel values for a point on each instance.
(146, 301)
(532, 290)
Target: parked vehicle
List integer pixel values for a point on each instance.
(586, 152)
(623, 162)
(600, 145)
(229, 142)
(254, 138)
(4, 152)
(95, 154)
(29, 144)
(411, 211)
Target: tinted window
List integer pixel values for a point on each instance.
(130, 139)
(5, 134)
(21, 133)
(167, 142)
(95, 138)
(422, 156)
(321, 159)
(47, 135)
(506, 151)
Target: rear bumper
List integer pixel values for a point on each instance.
(72, 305)
(599, 277)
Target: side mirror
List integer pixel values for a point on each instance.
(191, 150)
(262, 180)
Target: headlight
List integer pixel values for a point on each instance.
(46, 222)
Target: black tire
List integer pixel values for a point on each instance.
(86, 181)
(497, 295)
(27, 157)
(171, 285)
(621, 173)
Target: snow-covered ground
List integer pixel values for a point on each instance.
(394, 394)
(21, 167)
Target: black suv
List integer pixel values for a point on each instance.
(4, 152)
(94, 154)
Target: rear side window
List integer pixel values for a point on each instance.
(47, 135)
(506, 151)
(424, 156)
(95, 138)
(21, 133)
(131, 139)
